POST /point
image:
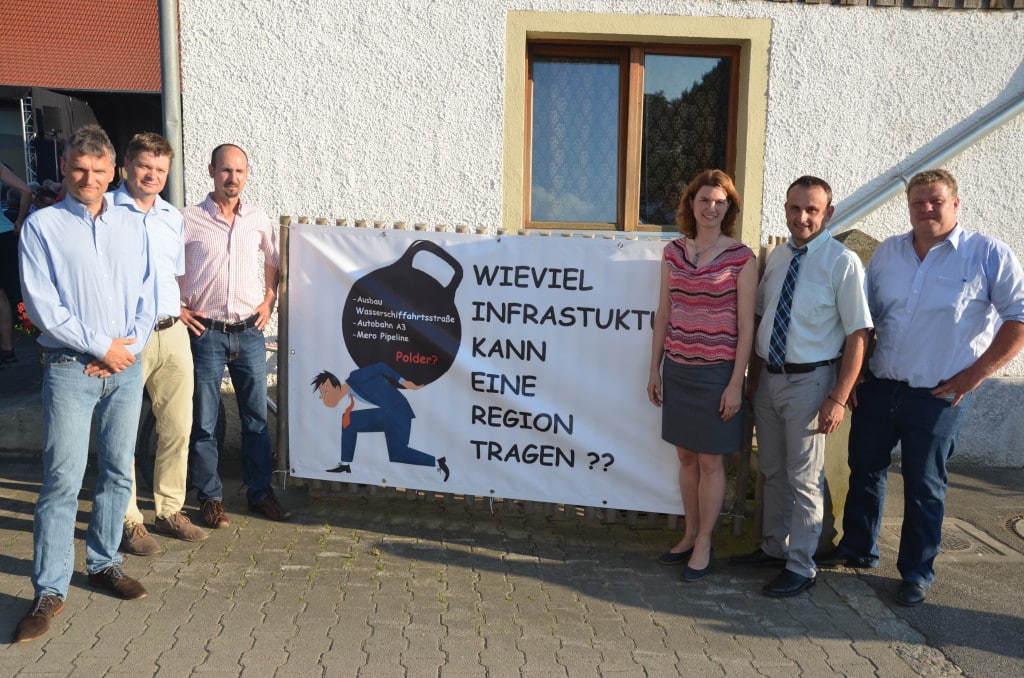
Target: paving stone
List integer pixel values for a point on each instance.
(699, 666)
(384, 586)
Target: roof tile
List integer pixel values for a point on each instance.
(80, 44)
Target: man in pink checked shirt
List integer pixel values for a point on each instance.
(226, 305)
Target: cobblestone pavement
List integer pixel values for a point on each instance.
(385, 586)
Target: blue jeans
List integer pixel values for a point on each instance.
(927, 429)
(245, 356)
(70, 399)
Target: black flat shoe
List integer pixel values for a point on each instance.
(669, 558)
(788, 584)
(757, 558)
(910, 595)
(691, 575)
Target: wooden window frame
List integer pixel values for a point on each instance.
(631, 80)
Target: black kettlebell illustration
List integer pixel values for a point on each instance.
(404, 317)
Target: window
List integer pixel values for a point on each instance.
(578, 153)
(615, 132)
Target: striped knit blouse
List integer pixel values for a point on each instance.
(702, 315)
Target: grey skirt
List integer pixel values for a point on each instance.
(689, 411)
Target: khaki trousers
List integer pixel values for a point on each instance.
(168, 377)
(791, 454)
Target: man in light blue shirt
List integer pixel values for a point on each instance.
(89, 287)
(167, 358)
(948, 305)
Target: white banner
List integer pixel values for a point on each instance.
(510, 367)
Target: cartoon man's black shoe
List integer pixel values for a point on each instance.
(340, 468)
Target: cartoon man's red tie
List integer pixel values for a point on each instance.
(347, 417)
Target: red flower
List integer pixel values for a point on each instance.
(24, 324)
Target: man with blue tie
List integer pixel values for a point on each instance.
(89, 287)
(949, 310)
(808, 354)
(377, 384)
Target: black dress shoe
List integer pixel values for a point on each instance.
(669, 558)
(758, 558)
(442, 468)
(340, 468)
(691, 575)
(788, 584)
(910, 594)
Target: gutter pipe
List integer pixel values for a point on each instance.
(170, 68)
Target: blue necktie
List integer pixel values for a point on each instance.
(780, 328)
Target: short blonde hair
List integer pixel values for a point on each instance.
(933, 176)
(148, 142)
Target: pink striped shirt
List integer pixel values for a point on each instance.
(702, 324)
(223, 264)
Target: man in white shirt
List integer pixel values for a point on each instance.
(809, 349)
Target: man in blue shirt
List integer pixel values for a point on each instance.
(948, 306)
(167, 358)
(89, 287)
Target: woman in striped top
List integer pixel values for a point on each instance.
(703, 333)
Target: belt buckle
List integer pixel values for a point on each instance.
(235, 327)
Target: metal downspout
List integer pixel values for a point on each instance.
(896, 184)
(170, 68)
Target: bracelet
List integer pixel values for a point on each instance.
(835, 401)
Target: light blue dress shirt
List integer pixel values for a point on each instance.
(165, 228)
(937, 316)
(87, 281)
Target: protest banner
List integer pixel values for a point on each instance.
(511, 367)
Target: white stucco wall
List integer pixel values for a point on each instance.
(394, 109)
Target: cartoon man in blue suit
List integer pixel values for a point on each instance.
(378, 385)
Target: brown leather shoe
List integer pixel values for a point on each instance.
(36, 621)
(178, 525)
(138, 542)
(270, 507)
(117, 582)
(213, 514)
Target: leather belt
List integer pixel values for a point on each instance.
(799, 368)
(164, 323)
(229, 328)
